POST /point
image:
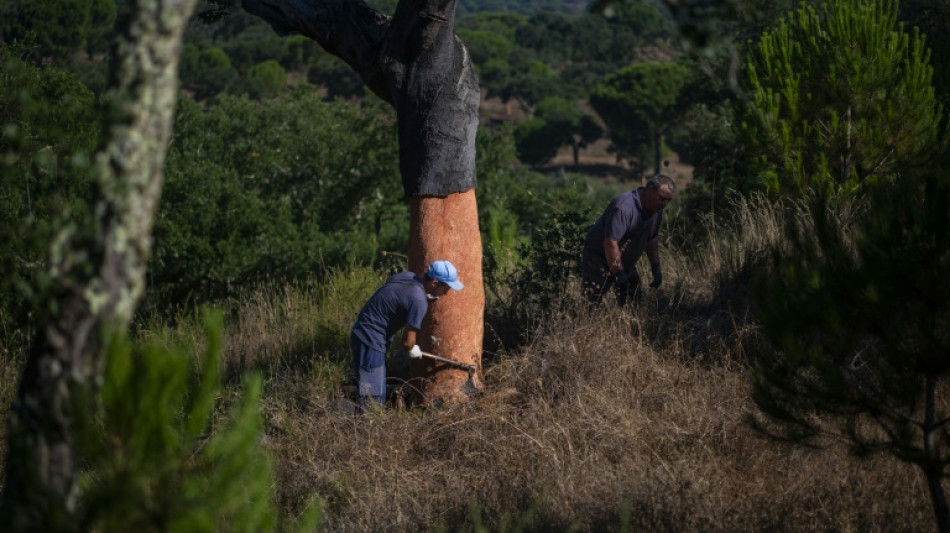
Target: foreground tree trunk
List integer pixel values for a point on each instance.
(98, 275)
(448, 227)
(415, 62)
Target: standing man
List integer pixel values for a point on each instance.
(629, 226)
(401, 302)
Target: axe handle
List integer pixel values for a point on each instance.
(449, 361)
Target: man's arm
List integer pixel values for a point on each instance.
(409, 340)
(653, 251)
(612, 255)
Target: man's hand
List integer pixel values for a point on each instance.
(657, 275)
(622, 280)
(415, 352)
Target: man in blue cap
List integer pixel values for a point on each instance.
(400, 303)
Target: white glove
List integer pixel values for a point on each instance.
(415, 352)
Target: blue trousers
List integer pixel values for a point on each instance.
(369, 366)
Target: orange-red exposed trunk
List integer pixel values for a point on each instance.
(447, 228)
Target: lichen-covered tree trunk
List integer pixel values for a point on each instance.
(415, 62)
(98, 271)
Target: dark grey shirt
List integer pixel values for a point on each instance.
(624, 221)
(400, 302)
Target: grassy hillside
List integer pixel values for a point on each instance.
(611, 419)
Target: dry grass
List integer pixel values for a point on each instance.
(613, 420)
(595, 429)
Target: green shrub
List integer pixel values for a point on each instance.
(158, 455)
(266, 79)
(273, 190)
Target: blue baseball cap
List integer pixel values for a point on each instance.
(445, 272)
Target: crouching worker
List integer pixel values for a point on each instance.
(400, 303)
(629, 226)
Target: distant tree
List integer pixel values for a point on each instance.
(547, 36)
(639, 104)
(576, 79)
(503, 23)
(556, 123)
(486, 45)
(206, 72)
(530, 83)
(299, 53)
(859, 318)
(494, 76)
(839, 95)
(96, 274)
(534, 142)
(266, 79)
(647, 19)
(336, 77)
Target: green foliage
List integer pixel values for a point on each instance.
(494, 75)
(644, 19)
(522, 7)
(59, 28)
(533, 285)
(529, 84)
(840, 95)
(557, 122)
(266, 80)
(48, 128)
(933, 19)
(535, 141)
(860, 317)
(639, 104)
(273, 190)
(501, 23)
(206, 72)
(561, 39)
(157, 455)
(706, 137)
(485, 45)
(339, 79)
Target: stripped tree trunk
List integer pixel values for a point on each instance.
(448, 227)
(415, 62)
(98, 273)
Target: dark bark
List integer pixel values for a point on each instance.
(412, 60)
(98, 275)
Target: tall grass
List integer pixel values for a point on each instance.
(616, 419)
(607, 419)
(590, 427)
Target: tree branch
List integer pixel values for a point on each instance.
(416, 63)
